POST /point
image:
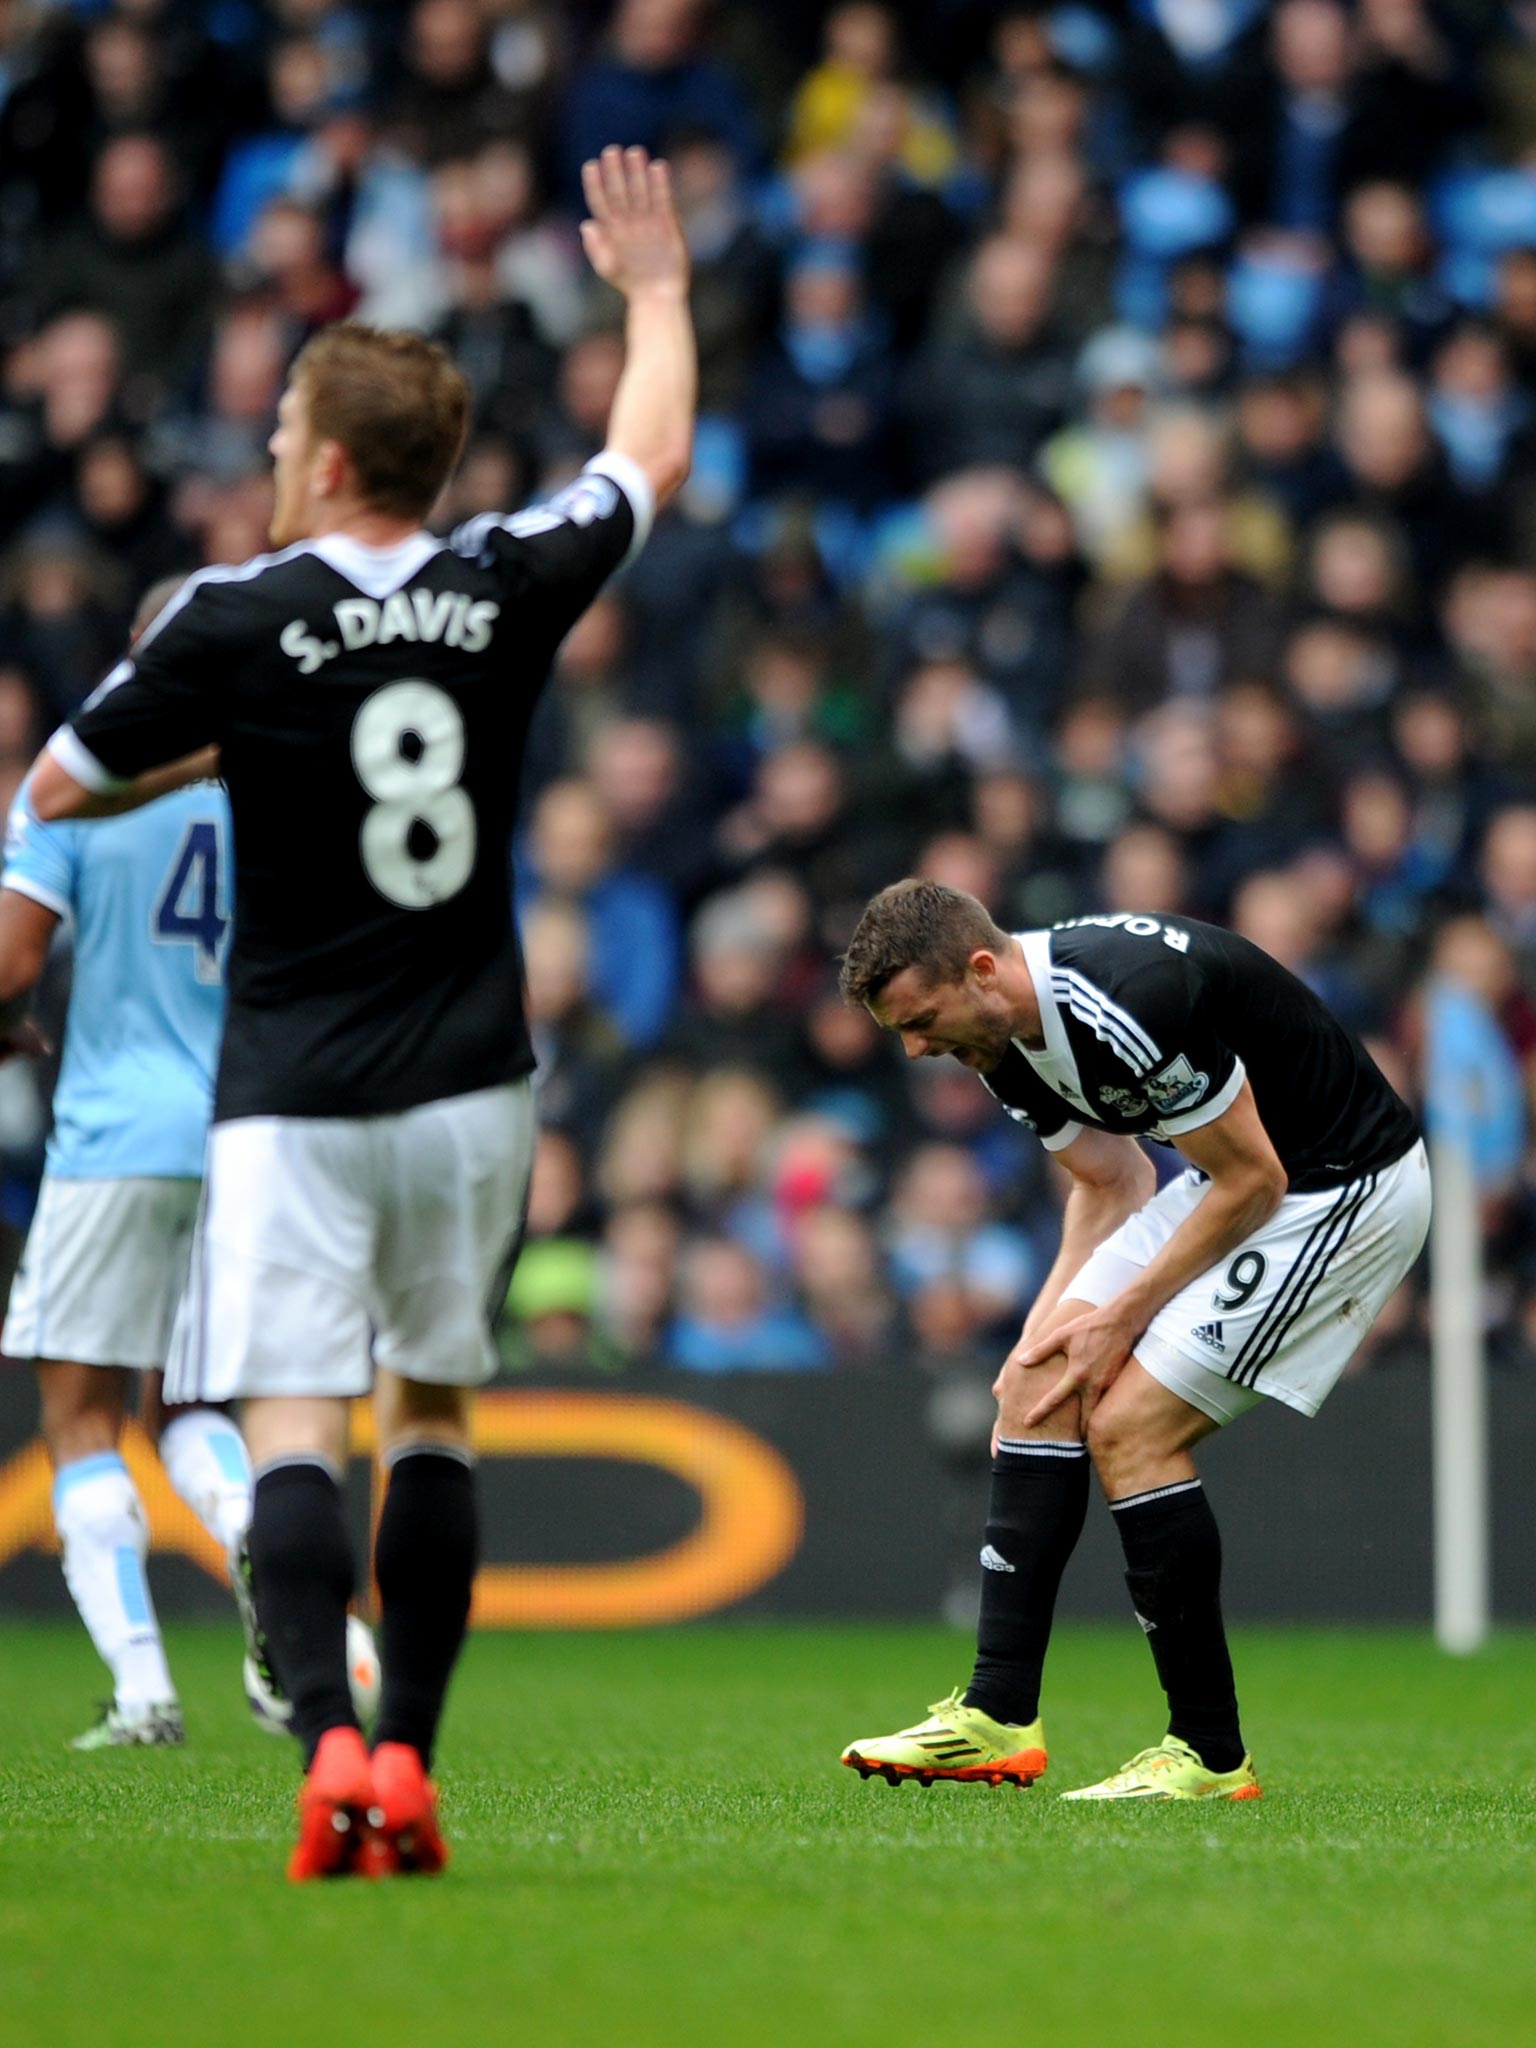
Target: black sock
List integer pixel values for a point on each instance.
(302, 1575)
(1173, 1568)
(424, 1559)
(1034, 1518)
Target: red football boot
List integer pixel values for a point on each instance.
(403, 1835)
(333, 1807)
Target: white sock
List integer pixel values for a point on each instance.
(205, 1459)
(101, 1525)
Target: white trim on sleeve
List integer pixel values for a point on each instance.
(1206, 1112)
(632, 480)
(82, 766)
(1062, 1138)
(39, 892)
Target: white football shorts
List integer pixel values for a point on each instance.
(327, 1246)
(1284, 1313)
(104, 1267)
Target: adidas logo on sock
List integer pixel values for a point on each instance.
(1210, 1333)
(994, 1561)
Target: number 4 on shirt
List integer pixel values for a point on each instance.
(187, 912)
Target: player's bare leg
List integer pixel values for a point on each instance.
(1140, 1436)
(302, 1575)
(104, 1536)
(425, 1556)
(992, 1733)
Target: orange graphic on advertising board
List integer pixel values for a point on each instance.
(750, 1522)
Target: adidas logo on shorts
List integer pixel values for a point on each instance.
(1210, 1333)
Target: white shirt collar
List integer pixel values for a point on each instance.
(1058, 1057)
(377, 571)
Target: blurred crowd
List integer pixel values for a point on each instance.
(1116, 487)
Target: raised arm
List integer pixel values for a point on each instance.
(634, 241)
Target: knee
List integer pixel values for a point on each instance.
(1112, 1439)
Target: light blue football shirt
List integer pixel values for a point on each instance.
(149, 897)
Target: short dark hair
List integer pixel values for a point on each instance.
(915, 924)
(397, 403)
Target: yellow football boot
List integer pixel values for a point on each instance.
(957, 1742)
(1171, 1770)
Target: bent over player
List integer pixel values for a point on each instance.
(1165, 1315)
(148, 898)
(370, 687)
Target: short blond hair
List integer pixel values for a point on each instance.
(396, 402)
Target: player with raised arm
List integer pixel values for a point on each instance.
(370, 687)
(148, 900)
(1166, 1314)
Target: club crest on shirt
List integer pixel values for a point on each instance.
(591, 497)
(1177, 1087)
(1123, 1101)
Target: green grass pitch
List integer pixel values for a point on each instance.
(655, 1848)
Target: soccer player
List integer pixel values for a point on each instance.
(1255, 1274)
(106, 1259)
(370, 688)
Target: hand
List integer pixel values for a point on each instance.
(634, 240)
(22, 1041)
(1098, 1347)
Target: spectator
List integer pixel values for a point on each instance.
(999, 594)
(1342, 680)
(996, 392)
(223, 435)
(652, 79)
(1145, 869)
(640, 770)
(1475, 407)
(638, 1277)
(818, 412)
(941, 1233)
(131, 259)
(64, 389)
(1196, 624)
(1509, 883)
(640, 1159)
(726, 1323)
(1274, 912)
(1490, 620)
(1396, 472)
(451, 97)
(1282, 440)
(579, 1051)
(733, 282)
(289, 261)
(731, 1118)
(840, 1275)
(731, 1017)
(633, 923)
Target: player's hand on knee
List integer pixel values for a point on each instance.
(1097, 1347)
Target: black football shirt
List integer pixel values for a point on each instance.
(371, 707)
(1151, 1025)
